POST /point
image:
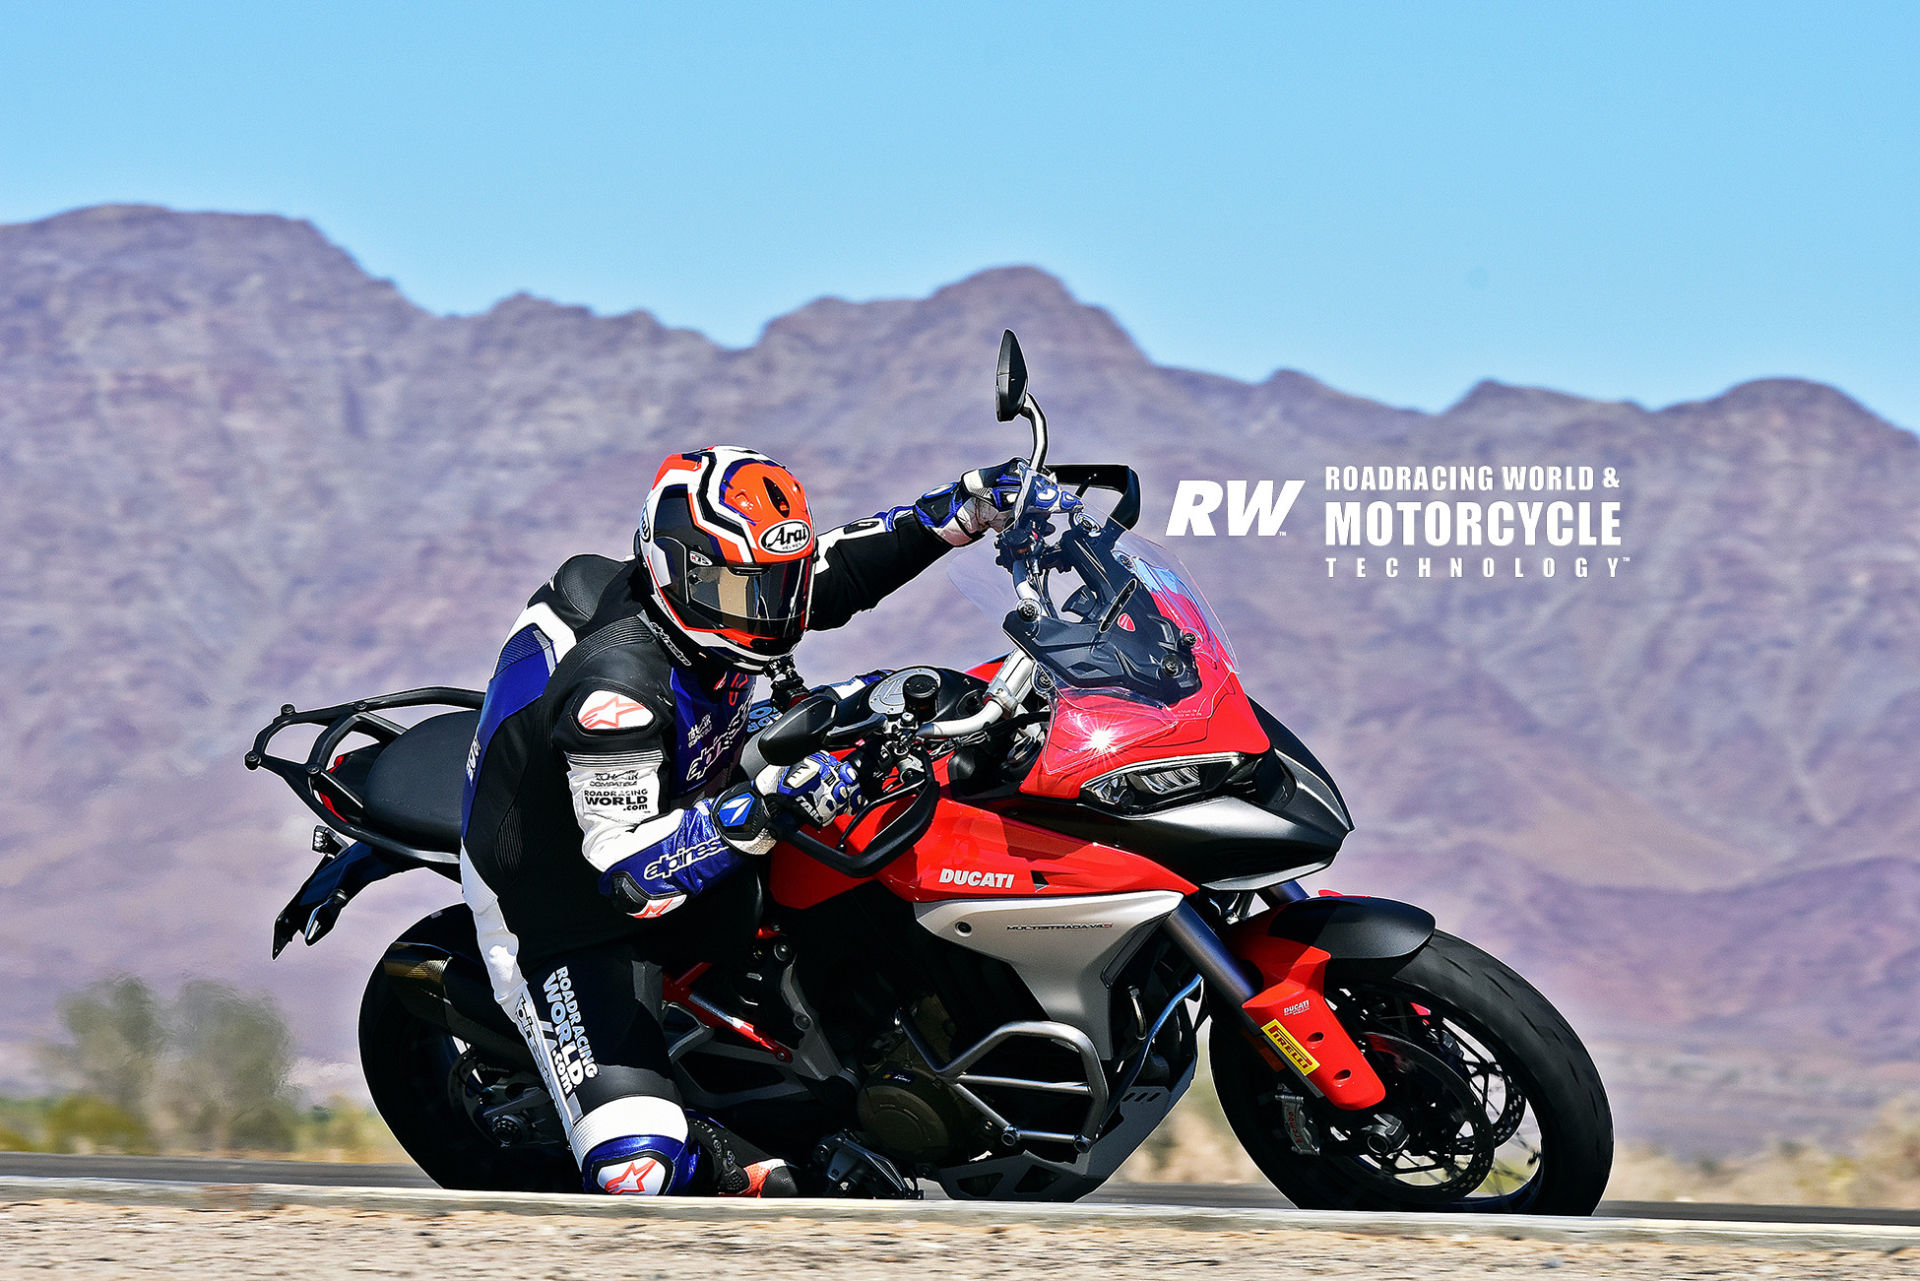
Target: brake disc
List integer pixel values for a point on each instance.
(1440, 1120)
(1483, 1075)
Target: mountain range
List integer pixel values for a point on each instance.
(237, 471)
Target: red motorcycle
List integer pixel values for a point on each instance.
(996, 974)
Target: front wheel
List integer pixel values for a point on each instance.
(1492, 1102)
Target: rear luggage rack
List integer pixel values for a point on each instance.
(309, 779)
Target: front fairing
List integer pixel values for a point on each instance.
(1116, 611)
(1132, 658)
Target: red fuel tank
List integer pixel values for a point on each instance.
(973, 853)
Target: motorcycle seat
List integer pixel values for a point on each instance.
(415, 786)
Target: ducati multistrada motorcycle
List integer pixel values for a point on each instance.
(995, 975)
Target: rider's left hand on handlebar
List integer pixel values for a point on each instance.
(986, 497)
(820, 787)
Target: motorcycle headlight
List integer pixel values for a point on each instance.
(1151, 786)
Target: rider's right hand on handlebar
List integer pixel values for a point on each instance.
(819, 787)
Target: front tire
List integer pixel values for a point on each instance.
(1501, 1107)
(419, 1074)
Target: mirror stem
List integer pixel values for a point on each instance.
(1030, 410)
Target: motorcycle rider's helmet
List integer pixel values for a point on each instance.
(728, 545)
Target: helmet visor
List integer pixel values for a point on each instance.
(765, 602)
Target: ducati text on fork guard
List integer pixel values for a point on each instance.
(995, 975)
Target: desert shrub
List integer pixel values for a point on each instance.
(206, 1072)
(226, 1086)
(346, 1131)
(117, 1035)
(88, 1123)
(1890, 1156)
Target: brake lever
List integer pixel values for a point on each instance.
(909, 772)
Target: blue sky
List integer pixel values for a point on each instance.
(1641, 201)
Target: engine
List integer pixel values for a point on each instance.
(904, 1109)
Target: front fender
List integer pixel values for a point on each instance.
(1292, 947)
(1351, 929)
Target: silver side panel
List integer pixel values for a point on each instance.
(1065, 949)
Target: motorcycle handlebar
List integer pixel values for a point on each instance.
(895, 839)
(1005, 692)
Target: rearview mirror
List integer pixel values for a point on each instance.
(799, 732)
(1012, 384)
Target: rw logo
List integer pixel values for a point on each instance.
(1195, 502)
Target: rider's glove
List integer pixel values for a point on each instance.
(984, 498)
(820, 787)
(740, 817)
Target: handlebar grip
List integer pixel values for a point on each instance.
(893, 840)
(1117, 477)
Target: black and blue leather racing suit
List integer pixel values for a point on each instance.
(590, 851)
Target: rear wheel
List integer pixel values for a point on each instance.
(1492, 1102)
(439, 1095)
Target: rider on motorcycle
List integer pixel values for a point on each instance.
(604, 820)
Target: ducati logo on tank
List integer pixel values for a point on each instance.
(984, 880)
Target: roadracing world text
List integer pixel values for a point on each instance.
(1497, 537)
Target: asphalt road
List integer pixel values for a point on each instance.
(189, 1169)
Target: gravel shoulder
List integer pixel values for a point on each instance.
(107, 1242)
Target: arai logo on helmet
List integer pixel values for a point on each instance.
(787, 536)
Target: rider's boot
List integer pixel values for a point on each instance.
(735, 1167)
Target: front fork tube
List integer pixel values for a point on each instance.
(1287, 1016)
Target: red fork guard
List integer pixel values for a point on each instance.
(1299, 1026)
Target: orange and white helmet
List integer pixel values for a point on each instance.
(728, 544)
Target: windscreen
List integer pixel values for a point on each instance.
(1121, 615)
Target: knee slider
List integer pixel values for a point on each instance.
(641, 1165)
